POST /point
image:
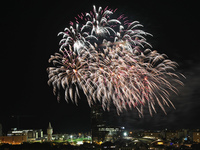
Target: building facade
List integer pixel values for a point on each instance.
(152, 134)
(97, 122)
(171, 135)
(110, 133)
(196, 136)
(31, 134)
(14, 140)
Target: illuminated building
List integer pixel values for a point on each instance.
(16, 132)
(34, 134)
(49, 132)
(31, 134)
(171, 135)
(196, 136)
(176, 134)
(14, 137)
(101, 132)
(111, 133)
(97, 122)
(19, 139)
(152, 134)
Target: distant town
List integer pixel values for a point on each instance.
(101, 137)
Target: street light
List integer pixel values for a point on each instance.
(71, 136)
(125, 133)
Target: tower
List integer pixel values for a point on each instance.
(49, 132)
(97, 123)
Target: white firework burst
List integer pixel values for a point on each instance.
(111, 62)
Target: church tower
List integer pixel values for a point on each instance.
(49, 133)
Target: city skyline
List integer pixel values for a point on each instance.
(30, 36)
(105, 136)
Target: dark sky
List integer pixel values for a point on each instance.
(29, 36)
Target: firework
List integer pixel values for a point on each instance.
(111, 61)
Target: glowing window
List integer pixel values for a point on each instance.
(160, 143)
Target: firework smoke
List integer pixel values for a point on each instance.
(111, 61)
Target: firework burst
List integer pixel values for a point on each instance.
(111, 61)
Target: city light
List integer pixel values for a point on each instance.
(71, 136)
(79, 142)
(160, 143)
(125, 133)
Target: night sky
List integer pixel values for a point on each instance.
(29, 36)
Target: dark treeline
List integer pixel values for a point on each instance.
(86, 146)
(46, 146)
